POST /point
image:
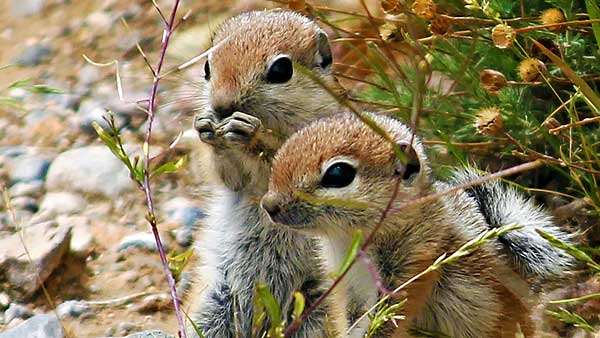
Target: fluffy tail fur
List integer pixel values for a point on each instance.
(529, 253)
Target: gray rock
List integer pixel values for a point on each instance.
(31, 188)
(4, 300)
(91, 111)
(46, 244)
(24, 203)
(16, 310)
(182, 211)
(184, 236)
(125, 327)
(89, 74)
(36, 116)
(82, 240)
(62, 202)
(72, 309)
(140, 240)
(147, 334)
(39, 326)
(26, 7)
(28, 168)
(91, 170)
(34, 55)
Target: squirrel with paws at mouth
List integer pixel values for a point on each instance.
(341, 158)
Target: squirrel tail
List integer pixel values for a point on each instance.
(528, 252)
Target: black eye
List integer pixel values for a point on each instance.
(338, 175)
(280, 71)
(206, 71)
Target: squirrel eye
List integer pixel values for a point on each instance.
(338, 175)
(206, 71)
(281, 70)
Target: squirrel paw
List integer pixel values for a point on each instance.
(239, 128)
(205, 123)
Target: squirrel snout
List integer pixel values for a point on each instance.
(272, 204)
(224, 110)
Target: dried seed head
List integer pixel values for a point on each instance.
(492, 81)
(552, 123)
(503, 36)
(424, 9)
(553, 15)
(439, 25)
(392, 7)
(489, 121)
(389, 31)
(531, 69)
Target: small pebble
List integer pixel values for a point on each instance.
(140, 240)
(34, 55)
(16, 310)
(32, 188)
(62, 203)
(72, 309)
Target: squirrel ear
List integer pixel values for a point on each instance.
(324, 57)
(412, 165)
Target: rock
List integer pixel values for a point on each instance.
(147, 334)
(26, 7)
(140, 240)
(125, 328)
(4, 300)
(152, 303)
(24, 203)
(92, 170)
(46, 244)
(184, 236)
(182, 211)
(82, 239)
(72, 309)
(101, 22)
(93, 111)
(89, 74)
(31, 188)
(39, 326)
(34, 55)
(27, 168)
(16, 310)
(62, 203)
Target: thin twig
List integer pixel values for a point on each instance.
(151, 217)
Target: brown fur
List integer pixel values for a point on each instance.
(465, 298)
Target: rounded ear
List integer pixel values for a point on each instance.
(411, 164)
(324, 58)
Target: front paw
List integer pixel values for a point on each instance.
(205, 124)
(239, 128)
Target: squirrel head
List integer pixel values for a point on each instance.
(254, 68)
(338, 172)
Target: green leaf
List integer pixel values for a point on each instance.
(169, 167)
(20, 83)
(178, 262)
(43, 89)
(273, 310)
(594, 12)
(194, 326)
(571, 249)
(576, 79)
(299, 304)
(352, 252)
(572, 318)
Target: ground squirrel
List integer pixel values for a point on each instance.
(255, 96)
(344, 159)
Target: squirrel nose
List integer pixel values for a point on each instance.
(224, 110)
(272, 204)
